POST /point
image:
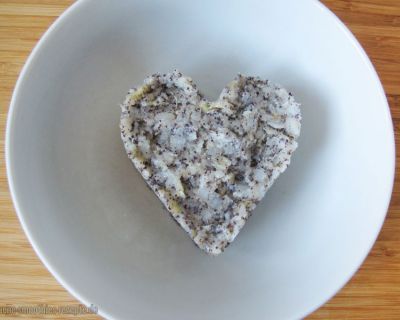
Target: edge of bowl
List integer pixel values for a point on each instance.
(9, 167)
(391, 156)
(8, 142)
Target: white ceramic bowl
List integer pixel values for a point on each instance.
(105, 236)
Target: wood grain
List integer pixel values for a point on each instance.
(373, 293)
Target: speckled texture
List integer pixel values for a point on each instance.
(210, 163)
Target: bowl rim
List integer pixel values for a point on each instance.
(9, 163)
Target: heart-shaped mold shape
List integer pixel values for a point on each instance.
(210, 163)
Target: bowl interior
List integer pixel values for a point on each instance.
(107, 238)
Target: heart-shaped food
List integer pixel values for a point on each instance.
(210, 163)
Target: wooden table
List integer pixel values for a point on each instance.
(373, 293)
